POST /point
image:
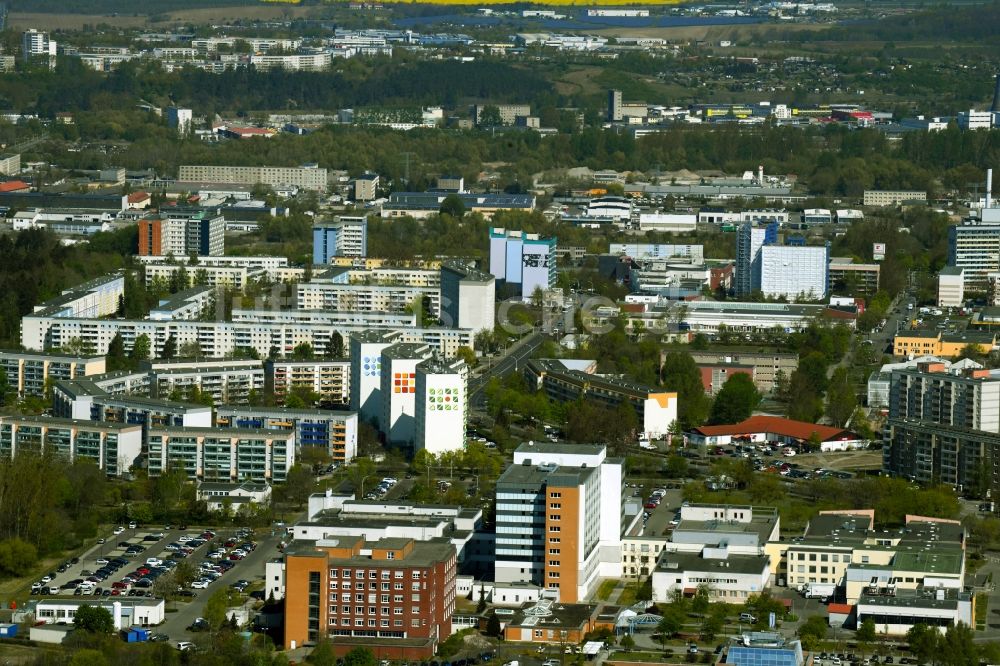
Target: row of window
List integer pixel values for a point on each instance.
(385, 610)
(375, 574)
(361, 598)
(360, 622)
(346, 585)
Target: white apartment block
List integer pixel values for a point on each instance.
(228, 381)
(380, 295)
(974, 246)
(974, 120)
(331, 380)
(296, 62)
(214, 454)
(892, 197)
(468, 298)
(267, 263)
(113, 447)
(28, 373)
(211, 44)
(97, 298)
(399, 391)
(366, 349)
(951, 287)
(795, 272)
(37, 44)
(309, 178)
(442, 406)
(180, 120)
(217, 339)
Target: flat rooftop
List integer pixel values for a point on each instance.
(735, 563)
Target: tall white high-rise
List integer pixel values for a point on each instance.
(179, 119)
(36, 44)
(399, 391)
(441, 406)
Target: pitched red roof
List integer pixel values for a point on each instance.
(778, 426)
(13, 186)
(843, 609)
(136, 197)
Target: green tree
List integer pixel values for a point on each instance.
(467, 355)
(360, 471)
(302, 351)
(323, 654)
(140, 349)
(216, 607)
(493, 627)
(866, 634)
(17, 557)
(169, 348)
(627, 643)
(299, 484)
(94, 620)
(677, 467)
(360, 656)
(923, 642)
(115, 358)
(840, 398)
(812, 631)
(336, 348)
(736, 400)
(672, 621)
(453, 206)
(680, 373)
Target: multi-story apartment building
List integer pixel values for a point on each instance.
(951, 287)
(394, 596)
(525, 261)
(366, 373)
(308, 178)
(293, 62)
(846, 277)
(974, 247)
(183, 233)
(562, 382)
(892, 197)
(399, 391)
(795, 272)
(441, 414)
(334, 432)
(346, 236)
(227, 380)
(467, 298)
(962, 397)
(750, 238)
(113, 447)
(366, 187)
(180, 120)
(380, 290)
(31, 373)
(330, 379)
(508, 112)
(764, 366)
(560, 518)
(38, 45)
(85, 400)
(222, 454)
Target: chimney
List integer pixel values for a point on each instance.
(995, 108)
(760, 174)
(989, 186)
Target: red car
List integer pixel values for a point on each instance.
(651, 505)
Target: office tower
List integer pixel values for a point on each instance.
(559, 518)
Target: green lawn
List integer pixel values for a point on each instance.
(605, 589)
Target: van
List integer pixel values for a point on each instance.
(747, 617)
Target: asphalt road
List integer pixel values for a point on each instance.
(511, 361)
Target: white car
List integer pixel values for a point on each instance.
(184, 646)
(119, 530)
(154, 561)
(200, 584)
(183, 539)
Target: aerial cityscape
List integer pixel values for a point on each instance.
(384, 333)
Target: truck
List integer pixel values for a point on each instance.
(817, 590)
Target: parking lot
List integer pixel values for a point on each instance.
(130, 561)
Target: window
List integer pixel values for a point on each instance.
(397, 574)
(397, 623)
(415, 610)
(333, 573)
(415, 622)
(555, 495)
(385, 575)
(333, 585)
(371, 610)
(346, 609)
(345, 621)
(553, 563)
(359, 622)
(384, 623)
(359, 586)
(553, 574)
(555, 505)
(360, 573)
(359, 597)
(554, 528)
(397, 611)
(385, 598)
(346, 596)
(373, 574)
(554, 551)
(397, 598)
(385, 586)
(347, 573)
(555, 540)
(391, 555)
(397, 586)
(415, 597)
(415, 575)
(385, 610)
(371, 622)
(415, 587)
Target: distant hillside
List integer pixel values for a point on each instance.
(122, 7)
